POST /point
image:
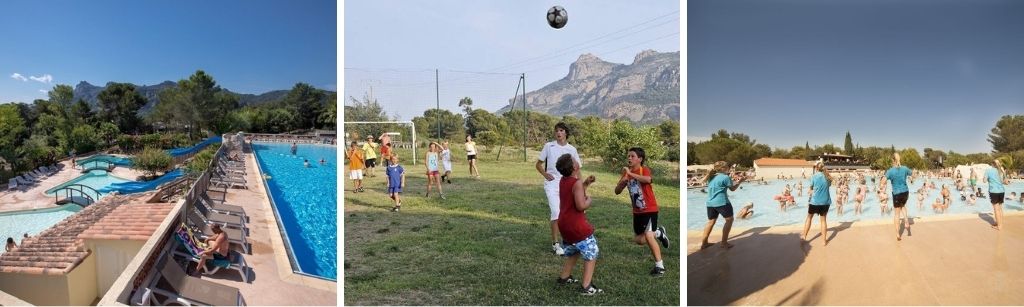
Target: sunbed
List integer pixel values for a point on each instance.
(23, 181)
(188, 248)
(182, 289)
(221, 207)
(228, 220)
(235, 236)
(12, 184)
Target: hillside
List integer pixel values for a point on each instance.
(645, 91)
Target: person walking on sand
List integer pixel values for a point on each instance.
(996, 178)
(471, 157)
(897, 175)
(718, 184)
(820, 200)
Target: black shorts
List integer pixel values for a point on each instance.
(725, 211)
(819, 210)
(899, 200)
(218, 256)
(996, 198)
(645, 222)
(371, 162)
(470, 157)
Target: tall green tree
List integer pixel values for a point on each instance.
(1008, 134)
(307, 103)
(80, 112)
(120, 103)
(12, 132)
(848, 144)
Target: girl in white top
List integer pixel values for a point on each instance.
(471, 156)
(446, 160)
(431, 162)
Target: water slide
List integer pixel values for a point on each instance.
(143, 186)
(176, 152)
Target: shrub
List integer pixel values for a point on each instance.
(201, 161)
(151, 140)
(127, 143)
(153, 160)
(84, 138)
(624, 136)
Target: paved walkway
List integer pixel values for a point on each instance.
(957, 260)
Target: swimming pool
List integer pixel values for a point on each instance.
(16, 224)
(305, 203)
(96, 179)
(106, 159)
(767, 212)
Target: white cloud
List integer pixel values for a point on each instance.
(43, 91)
(45, 78)
(17, 76)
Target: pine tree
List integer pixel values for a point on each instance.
(848, 145)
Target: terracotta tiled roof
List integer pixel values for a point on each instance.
(59, 249)
(134, 222)
(782, 162)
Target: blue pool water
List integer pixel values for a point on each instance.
(104, 159)
(767, 212)
(16, 224)
(305, 201)
(96, 179)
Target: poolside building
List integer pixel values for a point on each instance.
(772, 168)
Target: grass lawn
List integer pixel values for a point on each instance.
(489, 242)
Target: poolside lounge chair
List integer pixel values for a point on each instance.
(235, 236)
(233, 221)
(25, 180)
(41, 172)
(12, 184)
(184, 289)
(28, 176)
(190, 252)
(227, 182)
(231, 169)
(53, 169)
(221, 207)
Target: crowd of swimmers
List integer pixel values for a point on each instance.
(898, 178)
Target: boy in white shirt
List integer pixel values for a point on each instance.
(546, 167)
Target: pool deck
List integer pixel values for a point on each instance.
(948, 260)
(272, 281)
(35, 197)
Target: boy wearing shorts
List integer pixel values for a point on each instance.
(396, 181)
(637, 178)
(577, 233)
(355, 166)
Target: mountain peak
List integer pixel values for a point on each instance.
(644, 55)
(589, 66)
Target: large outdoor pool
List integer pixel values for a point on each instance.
(767, 212)
(16, 224)
(305, 202)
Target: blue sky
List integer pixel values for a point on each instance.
(394, 46)
(910, 73)
(247, 46)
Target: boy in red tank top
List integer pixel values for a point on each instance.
(577, 233)
(637, 178)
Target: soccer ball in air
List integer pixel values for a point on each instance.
(557, 17)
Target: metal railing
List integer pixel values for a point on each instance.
(69, 194)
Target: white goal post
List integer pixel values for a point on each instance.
(413, 126)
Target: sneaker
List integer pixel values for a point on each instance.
(657, 272)
(449, 181)
(557, 249)
(567, 280)
(442, 196)
(663, 239)
(396, 208)
(590, 290)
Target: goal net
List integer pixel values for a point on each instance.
(401, 134)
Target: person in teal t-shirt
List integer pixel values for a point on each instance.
(719, 182)
(897, 175)
(996, 178)
(820, 200)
